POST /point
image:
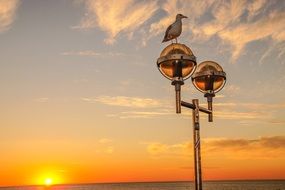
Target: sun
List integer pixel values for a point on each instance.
(48, 181)
(48, 177)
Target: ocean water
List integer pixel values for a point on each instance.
(210, 185)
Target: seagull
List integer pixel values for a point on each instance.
(174, 30)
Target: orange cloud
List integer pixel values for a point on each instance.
(92, 53)
(272, 26)
(124, 101)
(236, 23)
(114, 18)
(234, 148)
(105, 141)
(192, 9)
(224, 158)
(248, 148)
(7, 13)
(230, 26)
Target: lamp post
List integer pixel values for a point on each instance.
(178, 63)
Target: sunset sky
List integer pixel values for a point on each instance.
(82, 99)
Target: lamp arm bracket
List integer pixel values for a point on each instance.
(192, 106)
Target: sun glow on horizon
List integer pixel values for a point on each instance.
(48, 181)
(48, 178)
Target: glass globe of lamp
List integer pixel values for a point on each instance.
(176, 62)
(209, 78)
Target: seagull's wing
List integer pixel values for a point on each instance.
(165, 39)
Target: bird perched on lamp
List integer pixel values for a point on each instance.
(174, 30)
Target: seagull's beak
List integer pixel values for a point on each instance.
(184, 16)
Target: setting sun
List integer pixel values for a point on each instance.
(48, 178)
(48, 181)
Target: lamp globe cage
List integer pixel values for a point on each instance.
(209, 78)
(176, 62)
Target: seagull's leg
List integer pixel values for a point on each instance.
(176, 40)
(171, 42)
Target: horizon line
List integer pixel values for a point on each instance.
(134, 182)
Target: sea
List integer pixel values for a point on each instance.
(208, 185)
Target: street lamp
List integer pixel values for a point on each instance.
(178, 63)
(209, 78)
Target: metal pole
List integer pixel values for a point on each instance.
(177, 81)
(178, 97)
(196, 144)
(209, 95)
(210, 107)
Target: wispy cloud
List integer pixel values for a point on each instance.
(142, 114)
(135, 102)
(109, 150)
(240, 22)
(42, 100)
(160, 149)
(261, 112)
(273, 142)
(105, 141)
(105, 146)
(135, 107)
(261, 148)
(240, 148)
(93, 53)
(259, 106)
(277, 121)
(105, 150)
(239, 36)
(193, 9)
(258, 112)
(7, 13)
(161, 25)
(231, 90)
(244, 115)
(235, 23)
(114, 18)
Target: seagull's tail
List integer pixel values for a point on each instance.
(164, 40)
